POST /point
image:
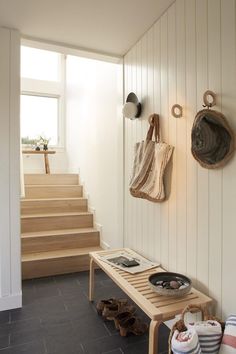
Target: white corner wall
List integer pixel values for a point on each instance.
(95, 139)
(10, 253)
(190, 49)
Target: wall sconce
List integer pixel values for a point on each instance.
(177, 111)
(132, 108)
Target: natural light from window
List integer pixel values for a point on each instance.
(42, 96)
(39, 118)
(39, 64)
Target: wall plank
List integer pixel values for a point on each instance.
(172, 84)
(190, 49)
(190, 111)
(164, 123)
(5, 160)
(228, 63)
(215, 176)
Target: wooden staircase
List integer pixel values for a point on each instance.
(57, 230)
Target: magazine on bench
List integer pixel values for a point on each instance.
(128, 261)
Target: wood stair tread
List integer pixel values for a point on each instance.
(69, 213)
(51, 185)
(40, 256)
(51, 199)
(58, 233)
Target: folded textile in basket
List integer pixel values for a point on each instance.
(185, 342)
(209, 335)
(228, 344)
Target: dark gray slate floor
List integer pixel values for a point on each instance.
(57, 318)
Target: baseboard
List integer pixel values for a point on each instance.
(11, 302)
(104, 245)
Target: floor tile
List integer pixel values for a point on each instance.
(57, 318)
(4, 341)
(35, 347)
(115, 351)
(4, 317)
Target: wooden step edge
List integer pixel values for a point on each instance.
(52, 185)
(41, 256)
(48, 215)
(51, 174)
(52, 199)
(28, 235)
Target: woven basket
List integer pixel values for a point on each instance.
(180, 325)
(227, 139)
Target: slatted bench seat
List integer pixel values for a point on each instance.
(158, 308)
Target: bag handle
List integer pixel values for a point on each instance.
(154, 126)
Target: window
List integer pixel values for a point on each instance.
(42, 96)
(39, 64)
(39, 117)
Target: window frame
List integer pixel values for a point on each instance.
(44, 88)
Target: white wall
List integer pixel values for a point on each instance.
(10, 255)
(35, 164)
(94, 139)
(190, 49)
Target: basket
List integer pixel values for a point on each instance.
(180, 324)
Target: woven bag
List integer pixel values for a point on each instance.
(150, 161)
(209, 340)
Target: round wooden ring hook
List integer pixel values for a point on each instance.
(177, 111)
(206, 101)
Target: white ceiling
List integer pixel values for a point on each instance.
(106, 26)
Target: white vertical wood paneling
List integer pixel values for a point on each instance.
(172, 82)
(229, 190)
(139, 137)
(189, 113)
(150, 95)
(10, 259)
(157, 107)
(215, 176)
(190, 49)
(181, 138)
(203, 197)
(164, 124)
(14, 153)
(5, 160)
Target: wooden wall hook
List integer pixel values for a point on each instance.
(206, 101)
(177, 111)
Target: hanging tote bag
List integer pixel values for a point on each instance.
(150, 161)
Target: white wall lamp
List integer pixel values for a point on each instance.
(132, 108)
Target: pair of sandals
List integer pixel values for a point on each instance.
(119, 311)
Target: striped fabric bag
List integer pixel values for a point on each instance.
(228, 344)
(185, 342)
(151, 159)
(209, 335)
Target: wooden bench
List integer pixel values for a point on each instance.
(158, 308)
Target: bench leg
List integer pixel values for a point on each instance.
(91, 280)
(153, 337)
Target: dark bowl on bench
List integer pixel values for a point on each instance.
(170, 284)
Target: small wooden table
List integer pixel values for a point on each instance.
(158, 308)
(42, 152)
